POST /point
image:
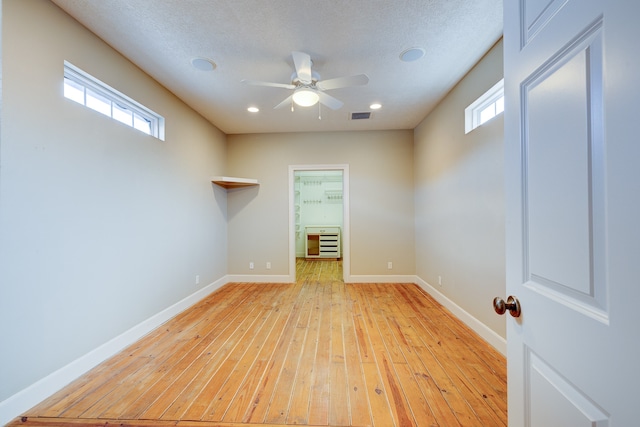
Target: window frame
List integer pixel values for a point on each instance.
(117, 100)
(472, 114)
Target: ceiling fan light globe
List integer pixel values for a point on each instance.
(305, 97)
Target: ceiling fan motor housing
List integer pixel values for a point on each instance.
(295, 80)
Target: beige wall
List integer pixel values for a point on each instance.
(101, 226)
(459, 198)
(381, 197)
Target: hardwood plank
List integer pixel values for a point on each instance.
(445, 384)
(281, 401)
(379, 404)
(381, 414)
(339, 397)
(378, 300)
(399, 410)
(459, 367)
(490, 356)
(218, 372)
(171, 374)
(365, 351)
(223, 399)
(172, 378)
(488, 398)
(420, 408)
(359, 407)
(248, 392)
(320, 391)
(224, 381)
(177, 392)
(406, 339)
(251, 353)
(87, 422)
(299, 405)
(125, 362)
(270, 382)
(84, 422)
(455, 367)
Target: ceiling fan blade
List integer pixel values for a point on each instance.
(268, 84)
(358, 80)
(329, 101)
(287, 102)
(302, 62)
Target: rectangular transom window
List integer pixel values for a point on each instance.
(91, 92)
(485, 108)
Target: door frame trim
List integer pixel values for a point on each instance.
(346, 262)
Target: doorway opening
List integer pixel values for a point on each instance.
(319, 215)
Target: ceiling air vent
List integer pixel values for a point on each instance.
(361, 116)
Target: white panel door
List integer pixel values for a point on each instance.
(572, 87)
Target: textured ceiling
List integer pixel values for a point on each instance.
(253, 39)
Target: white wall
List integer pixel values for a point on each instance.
(101, 226)
(459, 199)
(381, 191)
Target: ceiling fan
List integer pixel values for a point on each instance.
(307, 87)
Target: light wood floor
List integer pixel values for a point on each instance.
(314, 353)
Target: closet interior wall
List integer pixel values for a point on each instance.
(318, 202)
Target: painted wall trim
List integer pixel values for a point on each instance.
(364, 278)
(258, 278)
(489, 335)
(25, 399)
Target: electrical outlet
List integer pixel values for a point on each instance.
(440, 281)
(389, 265)
(197, 279)
(250, 265)
(268, 265)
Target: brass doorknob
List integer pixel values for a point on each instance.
(512, 304)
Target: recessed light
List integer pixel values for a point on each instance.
(375, 106)
(203, 64)
(253, 109)
(412, 54)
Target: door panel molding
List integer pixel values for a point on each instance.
(546, 388)
(570, 266)
(535, 15)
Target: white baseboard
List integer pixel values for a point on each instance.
(25, 399)
(480, 328)
(364, 278)
(256, 278)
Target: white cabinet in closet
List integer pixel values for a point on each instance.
(322, 242)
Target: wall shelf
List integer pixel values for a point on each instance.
(232, 182)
